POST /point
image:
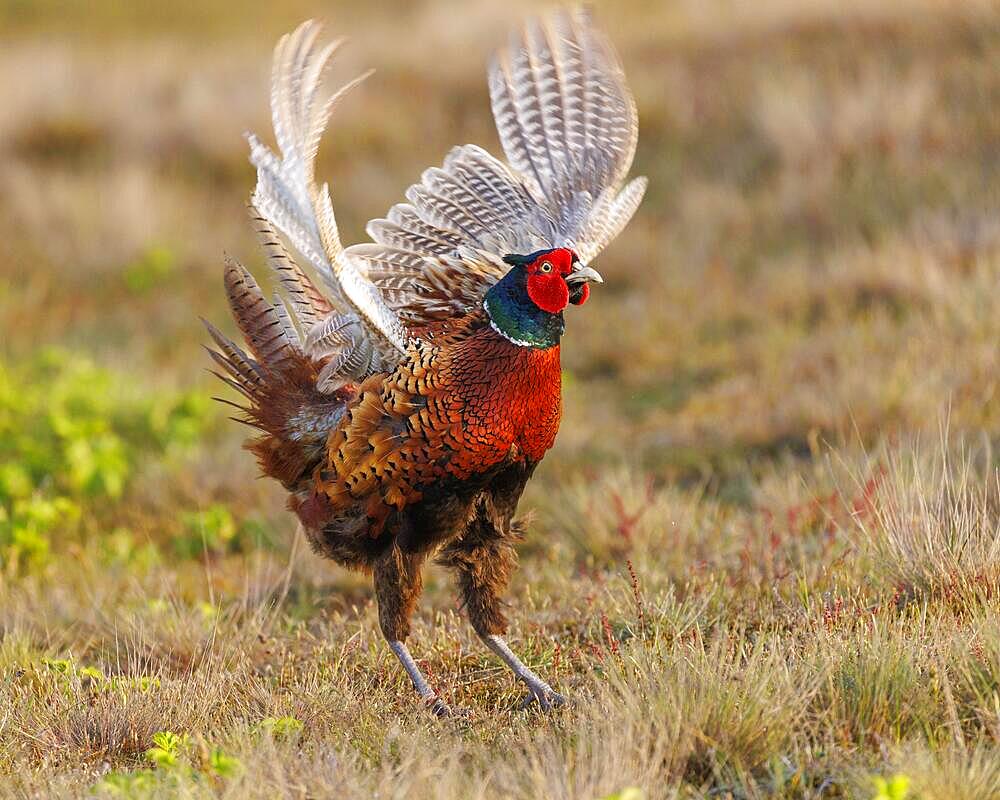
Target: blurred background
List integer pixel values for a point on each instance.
(811, 286)
(817, 258)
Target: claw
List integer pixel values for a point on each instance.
(547, 699)
(440, 709)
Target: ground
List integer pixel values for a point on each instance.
(763, 559)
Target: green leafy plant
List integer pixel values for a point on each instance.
(144, 683)
(895, 788)
(212, 529)
(126, 784)
(178, 421)
(67, 668)
(71, 434)
(168, 748)
(171, 755)
(120, 547)
(61, 665)
(25, 524)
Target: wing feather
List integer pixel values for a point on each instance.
(568, 128)
(416, 236)
(288, 197)
(611, 217)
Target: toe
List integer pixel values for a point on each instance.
(550, 700)
(440, 709)
(547, 699)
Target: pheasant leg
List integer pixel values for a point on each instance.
(483, 561)
(397, 588)
(540, 692)
(437, 706)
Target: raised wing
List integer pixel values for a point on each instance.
(353, 332)
(567, 124)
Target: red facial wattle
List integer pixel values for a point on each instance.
(548, 291)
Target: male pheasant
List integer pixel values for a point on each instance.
(404, 408)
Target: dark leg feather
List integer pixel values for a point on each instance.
(483, 560)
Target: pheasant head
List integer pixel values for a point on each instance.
(526, 305)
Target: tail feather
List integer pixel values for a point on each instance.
(233, 385)
(257, 319)
(247, 376)
(287, 323)
(279, 381)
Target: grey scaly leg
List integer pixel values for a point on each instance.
(427, 694)
(541, 692)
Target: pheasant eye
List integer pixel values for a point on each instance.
(546, 266)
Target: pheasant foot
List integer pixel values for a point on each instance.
(539, 691)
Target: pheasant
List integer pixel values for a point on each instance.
(404, 405)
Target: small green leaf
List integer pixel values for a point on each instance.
(222, 765)
(628, 793)
(168, 748)
(280, 727)
(170, 741)
(895, 788)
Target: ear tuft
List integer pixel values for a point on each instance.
(519, 261)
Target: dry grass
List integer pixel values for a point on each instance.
(756, 565)
(935, 524)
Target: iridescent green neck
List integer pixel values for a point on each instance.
(516, 318)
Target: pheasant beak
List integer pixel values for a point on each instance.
(578, 283)
(584, 275)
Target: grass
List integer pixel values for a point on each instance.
(763, 556)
